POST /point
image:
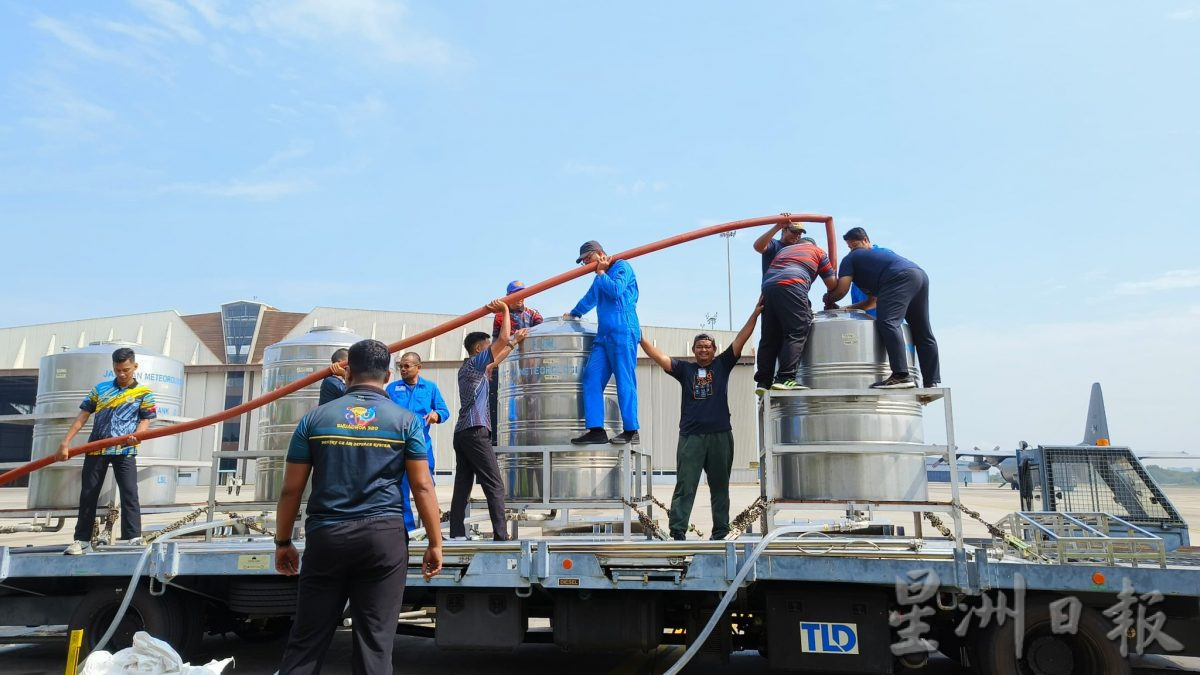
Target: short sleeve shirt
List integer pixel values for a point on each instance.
(357, 446)
(117, 412)
(704, 407)
(473, 391)
(871, 268)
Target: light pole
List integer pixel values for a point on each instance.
(729, 273)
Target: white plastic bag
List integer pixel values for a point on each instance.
(147, 656)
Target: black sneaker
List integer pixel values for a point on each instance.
(595, 435)
(626, 437)
(895, 382)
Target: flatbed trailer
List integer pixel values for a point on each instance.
(828, 603)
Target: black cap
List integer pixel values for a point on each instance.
(592, 246)
(855, 234)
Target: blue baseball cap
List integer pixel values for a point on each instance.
(514, 287)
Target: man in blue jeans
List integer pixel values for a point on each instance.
(423, 399)
(614, 295)
(901, 291)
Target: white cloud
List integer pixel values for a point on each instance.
(1190, 14)
(297, 149)
(171, 16)
(1175, 280)
(250, 190)
(379, 25)
(63, 114)
(76, 40)
(577, 168)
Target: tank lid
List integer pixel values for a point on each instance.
(842, 315)
(331, 329)
(107, 347)
(320, 335)
(558, 326)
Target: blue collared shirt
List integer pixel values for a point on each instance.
(614, 295)
(420, 399)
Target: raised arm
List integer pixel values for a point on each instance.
(765, 238)
(655, 355)
(739, 341)
(501, 342)
(613, 277)
(507, 347)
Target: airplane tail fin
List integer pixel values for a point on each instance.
(1096, 429)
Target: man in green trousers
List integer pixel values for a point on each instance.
(705, 434)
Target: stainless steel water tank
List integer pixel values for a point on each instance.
(284, 363)
(844, 352)
(64, 380)
(540, 402)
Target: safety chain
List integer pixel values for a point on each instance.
(1016, 544)
(666, 509)
(745, 520)
(648, 523)
(189, 518)
(250, 524)
(109, 519)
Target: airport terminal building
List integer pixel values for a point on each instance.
(222, 354)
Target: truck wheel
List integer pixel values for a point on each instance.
(162, 617)
(1044, 653)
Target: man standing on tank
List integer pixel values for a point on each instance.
(705, 434)
(901, 291)
(122, 408)
(356, 449)
(334, 386)
(422, 398)
(787, 312)
(473, 453)
(614, 295)
(520, 317)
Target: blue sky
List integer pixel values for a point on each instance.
(1040, 160)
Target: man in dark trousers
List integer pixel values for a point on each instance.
(334, 386)
(473, 453)
(121, 406)
(705, 434)
(787, 312)
(901, 291)
(357, 449)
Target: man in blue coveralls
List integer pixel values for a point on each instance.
(423, 399)
(614, 294)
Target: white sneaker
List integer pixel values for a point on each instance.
(76, 548)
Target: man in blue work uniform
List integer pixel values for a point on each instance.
(334, 386)
(901, 291)
(357, 448)
(121, 406)
(423, 399)
(859, 299)
(614, 294)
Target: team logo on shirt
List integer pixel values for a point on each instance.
(360, 416)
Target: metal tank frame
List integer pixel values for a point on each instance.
(771, 452)
(536, 476)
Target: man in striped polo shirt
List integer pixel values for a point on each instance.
(473, 453)
(122, 408)
(787, 312)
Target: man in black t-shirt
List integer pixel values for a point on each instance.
(705, 434)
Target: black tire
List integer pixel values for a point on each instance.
(1087, 652)
(261, 631)
(162, 617)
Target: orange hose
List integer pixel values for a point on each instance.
(440, 329)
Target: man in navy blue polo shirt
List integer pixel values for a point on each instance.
(423, 399)
(357, 448)
(901, 291)
(705, 434)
